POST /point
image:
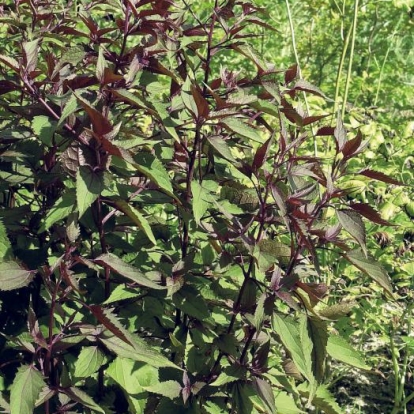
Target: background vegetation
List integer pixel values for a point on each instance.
(189, 203)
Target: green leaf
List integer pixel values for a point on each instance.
(318, 332)
(31, 54)
(130, 97)
(352, 222)
(122, 292)
(6, 251)
(139, 351)
(89, 185)
(265, 392)
(132, 376)
(63, 208)
(13, 276)
(81, 397)
(322, 399)
(10, 62)
(119, 266)
(201, 198)
(285, 404)
(44, 128)
(89, 361)
(230, 374)
(188, 99)
(4, 405)
(370, 267)
(338, 348)
(152, 168)
(25, 390)
(241, 393)
(221, 146)
(191, 303)
(70, 107)
(295, 337)
(137, 218)
(242, 129)
(269, 252)
(100, 65)
(169, 389)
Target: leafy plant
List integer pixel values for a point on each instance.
(162, 221)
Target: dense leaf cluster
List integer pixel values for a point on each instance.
(162, 220)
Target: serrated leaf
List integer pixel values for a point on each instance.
(265, 392)
(10, 62)
(269, 252)
(337, 310)
(118, 265)
(303, 85)
(136, 217)
(152, 168)
(318, 332)
(380, 176)
(6, 252)
(221, 146)
(191, 304)
(44, 128)
(188, 99)
(101, 124)
(370, 213)
(168, 122)
(130, 97)
(285, 404)
(201, 199)
(122, 292)
(31, 54)
(295, 337)
(371, 268)
(81, 397)
(72, 227)
(168, 389)
(72, 55)
(340, 134)
(241, 393)
(90, 359)
(4, 405)
(261, 154)
(140, 352)
(25, 390)
(338, 348)
(322, 399)
(353, 224)
(126, 344)
(259, 312)
(131, 375)
(100, 65)
(70, 107)
(242, 129)
(62, 209)
(13, 276)
(230, 374)
(89, 185)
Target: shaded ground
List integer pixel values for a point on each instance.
(360, 392)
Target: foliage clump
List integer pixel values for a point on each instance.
(162, 218)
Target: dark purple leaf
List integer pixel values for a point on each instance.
(376, 175)
(370, 213)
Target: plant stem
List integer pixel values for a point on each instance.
(351, 58)
(295, 52)
(338, 74)
(384, 62)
